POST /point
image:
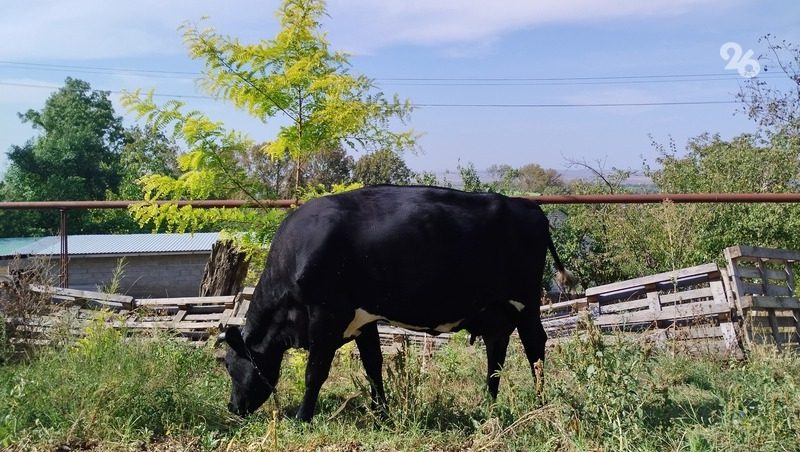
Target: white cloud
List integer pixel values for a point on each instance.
(96, 29)
(364, 25)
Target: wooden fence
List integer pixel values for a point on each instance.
(698, 309)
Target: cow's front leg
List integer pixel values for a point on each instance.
(533, 338)
(317, 369)
(369, 347)
(325, 336)
(496, 347)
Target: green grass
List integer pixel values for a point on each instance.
(111, 393)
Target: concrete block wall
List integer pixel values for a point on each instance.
(143, 276)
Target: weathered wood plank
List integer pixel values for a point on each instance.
(247, 292)
(784, 319)
(776, 333)
(654, 301)
(241, 311)
(203, 317)
(179, 316)
(224, 318)
(747, 288)
(789, 270)
(225, 300)
(734, 281)
(560, 322)
(686, 295)
(679, 312)
(768, 273)
(770, 302)
(711, 268)
(763, 253)
(694, 332)
(625, 306)
(100, 297)
(575, 304)
(133, 324)
(727, 328)
(777, 291)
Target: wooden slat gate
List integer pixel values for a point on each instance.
(688, 308)
(762, 285)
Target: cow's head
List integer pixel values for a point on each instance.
(254, 371)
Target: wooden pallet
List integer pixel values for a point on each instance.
(762, 284)
(689, 305)
(189, 317)
(561, 319)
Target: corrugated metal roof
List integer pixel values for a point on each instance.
(122, 244)
(9, 245)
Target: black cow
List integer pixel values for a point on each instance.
(429, 259)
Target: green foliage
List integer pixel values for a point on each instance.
(74, 157)
(711, 164)
(146, 153)
(104, 388)
(209, 169)
(530, 178)
(382, 167)
(430, 179)
(296, 76)
(293, 76)
(113, 285)
(273, 176)
(775, 107)
(470, 180)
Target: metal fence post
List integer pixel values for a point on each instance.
(64, 262)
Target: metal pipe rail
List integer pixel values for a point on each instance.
(648, 198)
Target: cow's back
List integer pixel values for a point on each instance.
(418, 255)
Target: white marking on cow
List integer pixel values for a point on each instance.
(360, 318)
(519, 306)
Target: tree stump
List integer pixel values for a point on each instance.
(225, 271)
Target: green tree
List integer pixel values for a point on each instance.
(297, 77)
(330, 167)
(293, 78)
(743, 164)
(273, 176)
(470, 180)
(145, 153)
(382, 167)
(530, 178)
(74, 157)
(533, 178)
(775, 108)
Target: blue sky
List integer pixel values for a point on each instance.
(463, 51)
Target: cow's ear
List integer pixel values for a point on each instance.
(234, 339)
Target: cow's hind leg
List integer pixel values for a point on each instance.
(369, 347)
(496, 347)
(533, 338)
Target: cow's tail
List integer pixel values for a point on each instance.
(564, 277)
